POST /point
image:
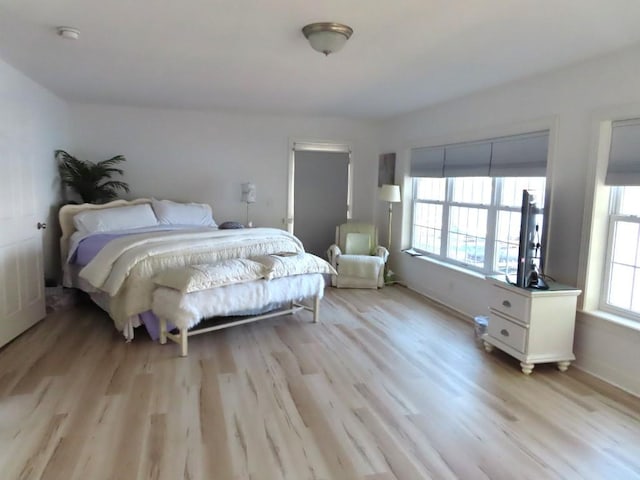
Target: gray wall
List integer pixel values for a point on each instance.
(321, 189)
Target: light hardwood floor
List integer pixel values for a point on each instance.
(387, 386)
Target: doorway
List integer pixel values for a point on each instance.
(319, 193)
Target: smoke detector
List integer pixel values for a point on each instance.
(69, 33)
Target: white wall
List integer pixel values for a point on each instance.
(564, 101)
(205, 155)
(47, 116)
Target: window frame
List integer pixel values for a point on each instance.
(493, 209)
(615, 217)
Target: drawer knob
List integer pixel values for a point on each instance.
(506, 303)
(504, 332)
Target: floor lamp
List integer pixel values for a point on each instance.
(391, 194)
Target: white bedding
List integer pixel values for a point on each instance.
(124, 268)
(186, 310)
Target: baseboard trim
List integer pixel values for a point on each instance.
(606, 380)
(442, 306)
(621, 383)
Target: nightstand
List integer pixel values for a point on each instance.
(534, 326)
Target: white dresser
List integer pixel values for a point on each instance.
(534, 326)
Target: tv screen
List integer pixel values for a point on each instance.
(529, 250)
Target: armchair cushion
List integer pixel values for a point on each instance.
(358, 244)
(363, 266)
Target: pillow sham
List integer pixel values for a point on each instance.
(174, 213)
(203, 277)
(284, 265)
(116, 218)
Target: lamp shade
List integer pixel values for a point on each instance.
(248, 192)
(390, 193)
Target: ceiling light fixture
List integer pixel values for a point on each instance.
(327, 37)
(69, 33)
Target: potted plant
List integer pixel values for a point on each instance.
(92, 181)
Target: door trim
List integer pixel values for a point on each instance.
(297, 145)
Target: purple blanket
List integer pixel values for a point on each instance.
(90, 246)
(152, 324)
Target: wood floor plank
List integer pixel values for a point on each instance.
(354, 438)
(212, 420)
(135, 429)
(401, 463)
(49, 434)
(388, 386)
(338, 462)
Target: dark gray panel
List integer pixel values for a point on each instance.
(520, 156)
(467, 160)
(624, 158)
(320, 198)
(427, 162)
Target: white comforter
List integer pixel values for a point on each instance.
(124, 268)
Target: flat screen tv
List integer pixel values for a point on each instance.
(530, 250)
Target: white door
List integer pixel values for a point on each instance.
(21, 264)
(320, 193)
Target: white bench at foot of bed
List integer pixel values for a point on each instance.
(183, 334)
(260, 298)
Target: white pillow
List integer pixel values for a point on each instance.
(203, 277)
(285, 265)
(116, 218)
(173, 213)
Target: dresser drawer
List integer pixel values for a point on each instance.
(510, 303)
(507, 332)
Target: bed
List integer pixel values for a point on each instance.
(116, 261)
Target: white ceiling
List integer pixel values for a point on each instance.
(250, 55)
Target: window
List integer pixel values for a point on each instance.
(621, 294)
(472, 221)
(468, 197)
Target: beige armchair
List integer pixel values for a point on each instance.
(357, 257)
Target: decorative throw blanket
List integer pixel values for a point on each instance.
(195, 278)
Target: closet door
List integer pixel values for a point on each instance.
(321, 197)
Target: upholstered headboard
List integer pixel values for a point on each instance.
(67, 212)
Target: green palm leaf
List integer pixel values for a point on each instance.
(85, 177)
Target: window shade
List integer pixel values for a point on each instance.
(624, 157)
(427, 162)
(514, 156)
(520, 156)
(467, 160)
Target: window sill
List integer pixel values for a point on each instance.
(611, 319)
(450, 266)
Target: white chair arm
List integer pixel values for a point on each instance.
(332, 254)
(382, 252)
